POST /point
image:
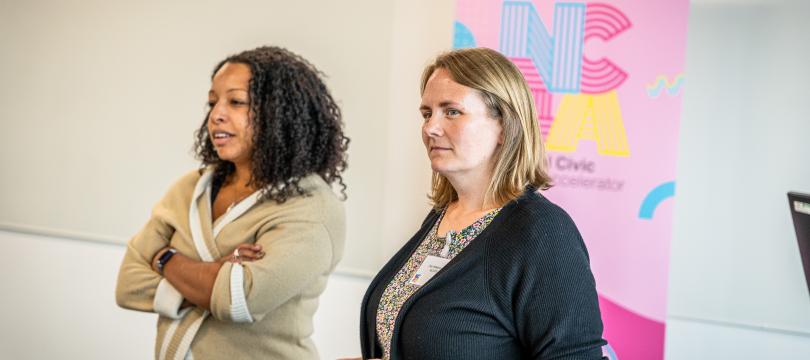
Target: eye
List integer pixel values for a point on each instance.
(237, 102)
(453, 112)
(211, 103)
(426, 115)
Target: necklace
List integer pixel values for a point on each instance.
(237, 197)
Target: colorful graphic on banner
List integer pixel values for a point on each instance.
(607, 78)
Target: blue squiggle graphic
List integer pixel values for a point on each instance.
(662, 83)
(655, 197)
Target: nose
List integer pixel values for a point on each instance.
(432, 126)
(218, 113)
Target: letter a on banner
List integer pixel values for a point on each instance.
(589, 117)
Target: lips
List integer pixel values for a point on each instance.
(221, 138)
(438, 148)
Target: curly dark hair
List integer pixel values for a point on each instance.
(297, 127)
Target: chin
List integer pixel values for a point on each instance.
(439, 168)
(225, 156)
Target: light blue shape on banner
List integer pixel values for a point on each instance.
(569, 40)
(655, 197)
(523, 34)
(462, 36)
(609, 352)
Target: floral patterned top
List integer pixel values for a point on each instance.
(401, 288)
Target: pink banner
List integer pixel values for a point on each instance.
(607, 78)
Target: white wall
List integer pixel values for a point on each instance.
(694, 339)
(737, 289)
(101, 99)
(58, 302)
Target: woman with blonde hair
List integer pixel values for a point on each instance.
(496, 271)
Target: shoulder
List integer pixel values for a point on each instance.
(320, 201)
(533, 227)
(319, 204)
(318, 207)
(535, 205)
(535, 216)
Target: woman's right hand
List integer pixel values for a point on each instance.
(247, 252)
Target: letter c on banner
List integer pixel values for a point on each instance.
(604, 22)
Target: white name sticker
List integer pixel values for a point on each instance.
(428, 269)
(801, 207)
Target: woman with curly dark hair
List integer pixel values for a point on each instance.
(236, 254)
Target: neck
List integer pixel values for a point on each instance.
(471, 190)
(241, 176)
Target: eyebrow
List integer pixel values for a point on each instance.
(229, 90)
(443, 104)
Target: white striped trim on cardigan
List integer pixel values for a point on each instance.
(237, 211)
(167, 300)
(203, 186)
(167, 338)
(239, 309)
(184, 348)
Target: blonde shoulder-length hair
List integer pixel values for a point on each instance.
(521, 159)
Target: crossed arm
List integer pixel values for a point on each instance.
(195, 279)
(300, 251)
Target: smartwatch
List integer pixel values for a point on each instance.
(164, 259)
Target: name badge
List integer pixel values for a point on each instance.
(428, 269)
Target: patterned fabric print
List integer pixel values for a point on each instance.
(400, 288)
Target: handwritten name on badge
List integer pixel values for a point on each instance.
(428, 269)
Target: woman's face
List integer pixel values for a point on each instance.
(460, 136)
(229, 125)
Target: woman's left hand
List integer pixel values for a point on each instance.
(243, 253)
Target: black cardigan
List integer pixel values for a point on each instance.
(522, 289)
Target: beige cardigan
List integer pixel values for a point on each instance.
(260, 309)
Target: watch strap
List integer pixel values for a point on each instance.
(164, 259)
